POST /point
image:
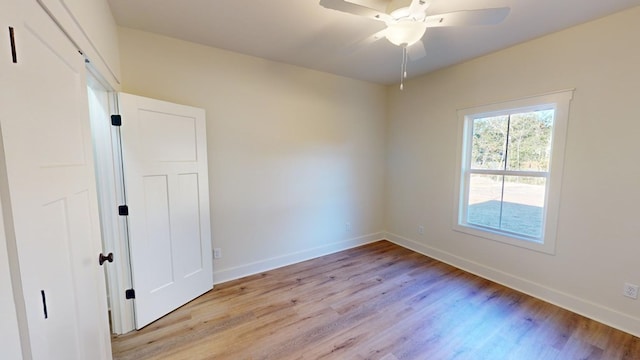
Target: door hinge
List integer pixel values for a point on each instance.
(44, 304)
(123, 210)
(12, 39)
(130, 294)
(116, 120)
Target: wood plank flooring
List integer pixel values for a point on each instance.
(378, 301)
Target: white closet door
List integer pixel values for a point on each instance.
(166, 183)
(48, 189)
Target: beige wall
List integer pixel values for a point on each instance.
(598, 244)
(293, 153)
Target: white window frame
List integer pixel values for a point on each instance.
(558, 101)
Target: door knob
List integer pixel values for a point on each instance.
(102, 258)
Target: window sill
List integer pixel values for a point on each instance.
(539, 245)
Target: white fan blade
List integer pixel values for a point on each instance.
(370, 39)
(351, 8)
(469, 17)
(377, 36)
(360, 44)
(418, 6)
(416, 51)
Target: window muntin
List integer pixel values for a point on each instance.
(511, 157)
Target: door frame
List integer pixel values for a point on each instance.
(111, 194)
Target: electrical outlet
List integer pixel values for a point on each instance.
(421, 229)
(217, 253)
(630, 290)
(347, 227)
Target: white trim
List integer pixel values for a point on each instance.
(522, 102)
(595, 311)
(539, 174)
(559, 101)
(13, 328)
(257, 267)
(60, 13)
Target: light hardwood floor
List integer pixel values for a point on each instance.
(378, 301)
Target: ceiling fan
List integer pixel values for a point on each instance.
(407, 22)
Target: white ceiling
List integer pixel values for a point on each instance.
(301, 32)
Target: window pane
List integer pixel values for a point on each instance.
(489, 142)
(518, 208)
(485, 196)
(523, 205)
(530, 141)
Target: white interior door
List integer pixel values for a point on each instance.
(48, 189)
(166, 183)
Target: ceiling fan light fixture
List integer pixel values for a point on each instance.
(405, 32)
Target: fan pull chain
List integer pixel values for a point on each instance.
(403, 73)
(405, 60)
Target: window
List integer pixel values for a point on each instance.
(510, 168)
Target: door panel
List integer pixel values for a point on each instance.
(169, 137)
(156, 203)
(186, 204)
(166, 181)
(51, 191)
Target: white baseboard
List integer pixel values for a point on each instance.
(597, 312)
(292, 258)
